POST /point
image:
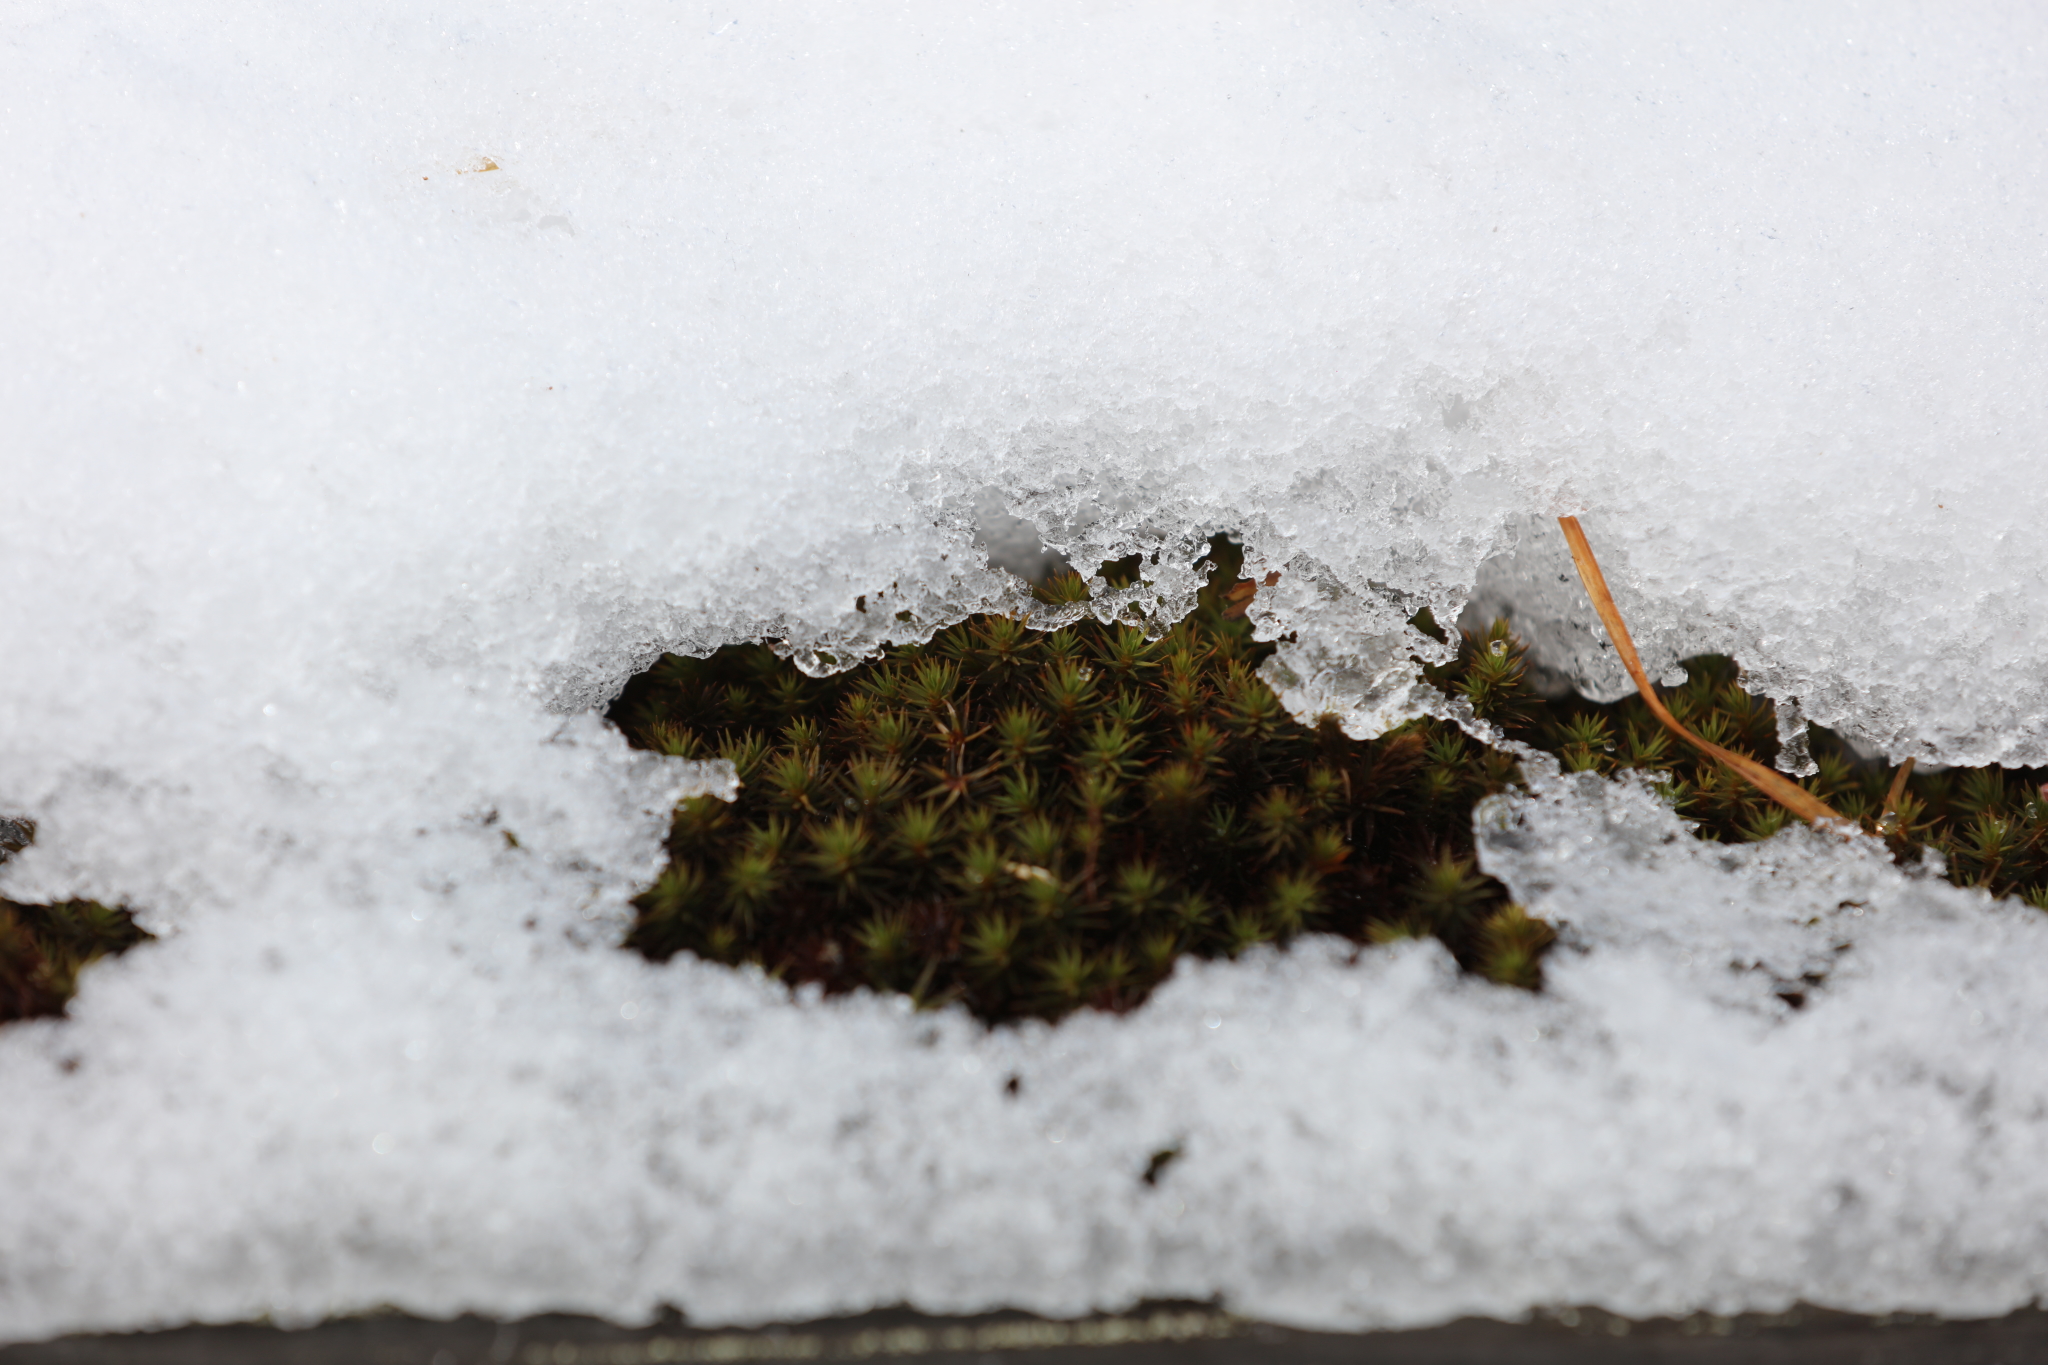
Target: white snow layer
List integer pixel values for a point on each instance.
(312, 1115)
(381, 384)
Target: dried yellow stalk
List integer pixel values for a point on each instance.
(1775, 785)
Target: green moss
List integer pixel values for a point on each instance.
(44, 947)
(1033, 822)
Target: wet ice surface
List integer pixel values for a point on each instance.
(383, 387)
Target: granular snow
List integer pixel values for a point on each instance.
(383, 385)
(319, 1114)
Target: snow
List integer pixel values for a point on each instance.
(453, 1120)
(382, 387)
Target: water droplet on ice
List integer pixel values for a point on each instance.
(1674, 676)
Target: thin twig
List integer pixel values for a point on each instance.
(1777, 786)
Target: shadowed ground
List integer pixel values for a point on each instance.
(1167, 1334)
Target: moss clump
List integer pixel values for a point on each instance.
(1033, 822)
(44, 947)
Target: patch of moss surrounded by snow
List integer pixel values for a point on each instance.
(43, 948)
(1032, 821)
(1029, 821)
